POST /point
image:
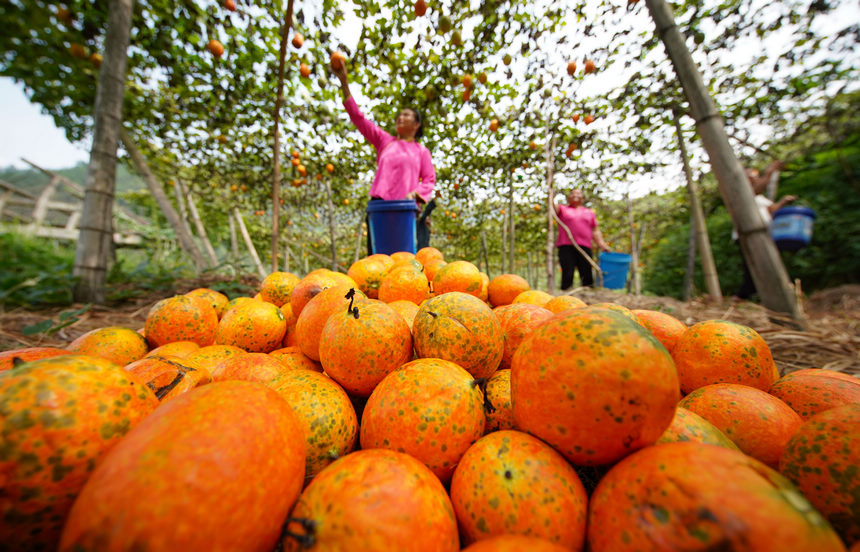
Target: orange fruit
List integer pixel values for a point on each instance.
(718, 351)
(277, 287)
(467, 81)
(517, 322)
(258, 367)
(168, 377)
(290, 334)
(689, 426)
(293, 358)
(430, 409)
(179, 349)
(511, 482)
(215, 48)
(406, 309)
(426, 254)
(255, 326)
(358, 348)
(217, 299)
(617, 308)
(494, 125)
(504, 289)
(499, 395)
(404, 283)
(460, 276)
(325, 413)
(812, 391)
(313, 318)
(564, 302)
(8, 358)
(298, 40)
(533, 297)
(337, 60)
(118, 345)
(460, 328)
(758, 423)
(307, 288)
(575, 117)
(401, 256)
(509, 542)
(594, 385)
(181, 318)
(589, 66)
(432, 266)
(588, 119)
(420, 8)
(666, 328)
(209, 357)
(571, 68)
(368, 274)
(305, 72)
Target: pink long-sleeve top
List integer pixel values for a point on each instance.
(401, 167)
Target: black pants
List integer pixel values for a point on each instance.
(747, 288)
(569, 259)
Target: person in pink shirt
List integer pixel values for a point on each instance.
(404, 167)
(582, 223)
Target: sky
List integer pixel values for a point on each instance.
(30, 134)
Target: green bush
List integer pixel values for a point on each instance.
(35, 272)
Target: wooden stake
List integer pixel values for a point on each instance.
(248, 243)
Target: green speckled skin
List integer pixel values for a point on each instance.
(376, 500)
(594, 385)
(430, 408)
(511, 482)
(217, 468)
(758, 423)
(823, 459)
(461, 328)
(718, 351)
(701, 498)
(325, 412)
(809, 392)
(58, 417)
(689, 426)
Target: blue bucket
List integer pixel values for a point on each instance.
(792, 228)
(392, 225)
(614, 268)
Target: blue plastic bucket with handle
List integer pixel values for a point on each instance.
(392, 225)
(791, 228)
(614, 268)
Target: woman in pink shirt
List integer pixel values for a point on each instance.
(404, 168)
(583, 226)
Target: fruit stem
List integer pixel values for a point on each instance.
(481, 383)
(350, 309)
(306, 539)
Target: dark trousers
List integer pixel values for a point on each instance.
(747, 288)
(569, 259)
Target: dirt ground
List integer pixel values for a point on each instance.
(830, 341)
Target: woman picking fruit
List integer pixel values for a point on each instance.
(582, 223)
(404, 168)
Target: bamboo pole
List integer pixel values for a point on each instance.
(513, 224)
(765, 264)
(234, 241)
(330, 207)
(484, 251)
(691, 261)
(248, 243)
(41, 207)
(185, 239)
(703, 242)
(276, 177)
(358, 240)
(634, 249)
(198, 223)
(550, 242)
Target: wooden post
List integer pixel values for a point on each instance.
(248, 243)
(691, 261)
(358, 239)
(504, 244)
(550, 239)
(484, 253)
(234, 241)
(634, 250)
(513, 225)
(765, 264)
(276, 177)
(331, 234)
(198, 223)
(703, 242)
(41, 208)
(185, 239)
